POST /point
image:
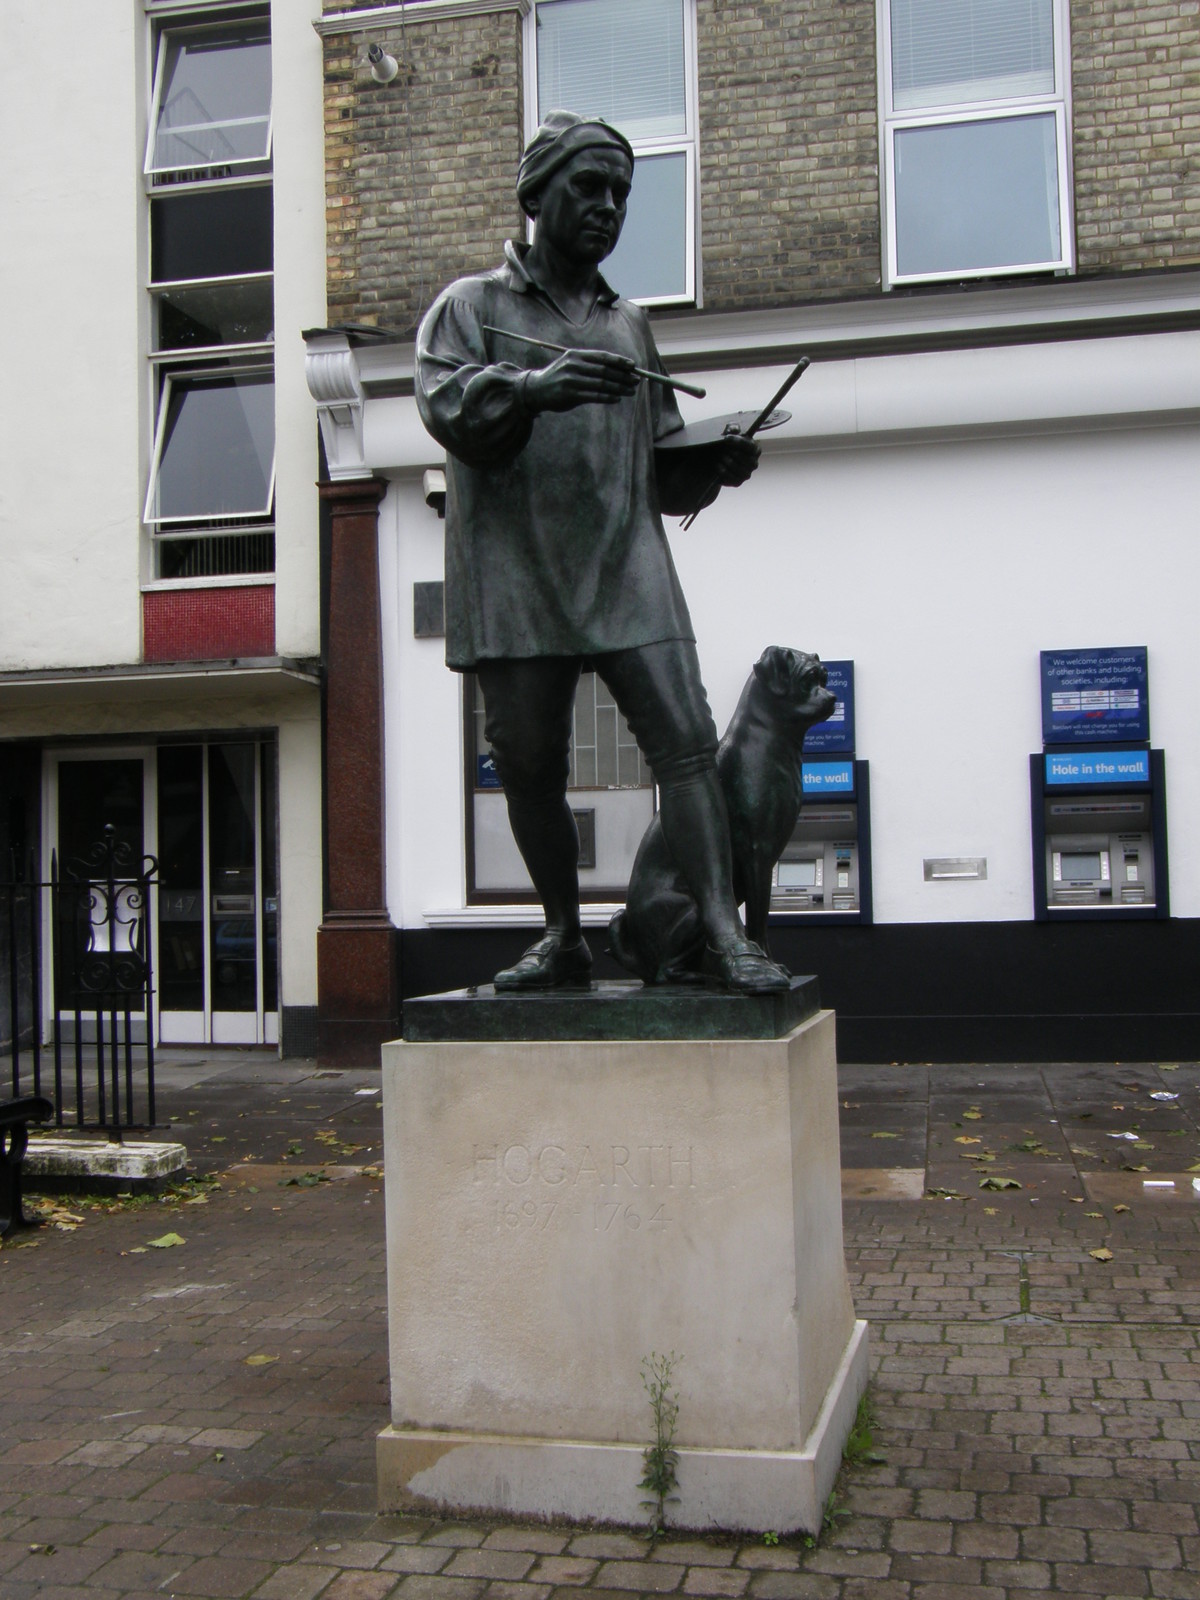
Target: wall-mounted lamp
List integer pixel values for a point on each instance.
(383, 66)
(434, 486)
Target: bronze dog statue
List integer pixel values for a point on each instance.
(659, 935)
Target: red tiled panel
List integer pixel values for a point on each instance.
(208, 624)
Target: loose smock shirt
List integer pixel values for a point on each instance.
(554, 540)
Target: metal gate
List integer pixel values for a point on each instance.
(102, 989)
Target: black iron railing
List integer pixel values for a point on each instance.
(102, 988)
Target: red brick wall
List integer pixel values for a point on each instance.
(208, 624)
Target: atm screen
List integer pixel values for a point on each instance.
(797, 874)
(1080, 867)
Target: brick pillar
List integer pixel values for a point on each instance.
(358, 989)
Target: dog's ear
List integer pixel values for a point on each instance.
(774, 669)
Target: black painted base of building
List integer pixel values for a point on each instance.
(938, 992)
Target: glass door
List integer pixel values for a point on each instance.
(217, 897)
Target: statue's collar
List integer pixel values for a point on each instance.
(520, 282)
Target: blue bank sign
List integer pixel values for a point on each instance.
(827, 777)
(1095, 695)
(837, 731)
(1067, 768)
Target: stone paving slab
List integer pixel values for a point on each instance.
(199, 1418)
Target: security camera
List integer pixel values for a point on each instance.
(383, 66)
(434, 485)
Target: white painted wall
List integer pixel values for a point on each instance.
(299, 192)
(913, 518)
(74, 443)
(72, 123)
(300, 857)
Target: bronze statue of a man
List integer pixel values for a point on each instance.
(555, 550)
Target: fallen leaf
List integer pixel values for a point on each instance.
(1164, 1066)
(991, 1211)
(968, 1138)
(260, 1361)
(991, 1181)
(1129, 1168)
(1099, 1214)
(166, 1241)
(304, 1180)
(1195, 1167)
(1103, 1254)
(136, 1250)
(1143, 1144)
(29, 1244)
(885, 1136)
(944, 1194)
(1120, 1208)
(973, 1114)
(1030, 1147)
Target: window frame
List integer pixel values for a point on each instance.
(161, 354)
(167, 365)
(666, 144)
(956, 113)
(217, 523)
(179, 25)
(592, 891)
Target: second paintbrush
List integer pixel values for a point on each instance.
(564, 349)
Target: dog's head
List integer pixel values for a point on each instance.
(797, 685)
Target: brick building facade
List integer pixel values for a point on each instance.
(988, 243)
(418, 179)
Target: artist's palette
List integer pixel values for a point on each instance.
(713, 429)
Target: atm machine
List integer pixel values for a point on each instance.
(1097, 790)
(824, 873)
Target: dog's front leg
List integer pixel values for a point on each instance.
(758, 901)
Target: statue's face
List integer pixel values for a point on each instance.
(581, 210)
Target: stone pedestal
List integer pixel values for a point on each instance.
(557, 1210)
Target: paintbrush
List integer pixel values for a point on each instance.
(565, 349)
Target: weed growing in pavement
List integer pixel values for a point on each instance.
(860, 1448)
(660, 1459)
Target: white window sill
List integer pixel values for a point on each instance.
(237, 580)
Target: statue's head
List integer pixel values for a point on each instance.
(574, 178)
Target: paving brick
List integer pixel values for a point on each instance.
(539, 1541)
(510, 1564)
(709, 1580)
(295, 1583)
(644, 1576)
(607, 1546)
(362, 1586)
(695, 1553)
(770, 1558)
(563, 1569)
(794, 1586)
(427, 1558)
(419, 1586)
